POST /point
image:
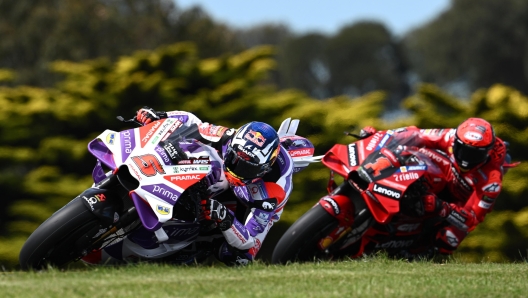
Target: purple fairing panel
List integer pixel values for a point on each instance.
(128, 143)
(146, 214)
(163, 192)
(98, 149)
(296, 142)
(298, 146)
(98, 173)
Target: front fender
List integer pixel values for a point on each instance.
(103, 203)
(340, 207)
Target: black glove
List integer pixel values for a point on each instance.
(216, 211)
(146, 115)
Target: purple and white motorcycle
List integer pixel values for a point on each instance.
(143, 205)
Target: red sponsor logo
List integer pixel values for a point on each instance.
(146, 132)
(148, 164)
(374, 141)
(184, 180)
(136, 173)
(239, 236)
(185, 177)
(255, 249)
(302, 152)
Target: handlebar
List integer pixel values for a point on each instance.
(133, 120)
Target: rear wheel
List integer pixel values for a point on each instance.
(55, 242)
(299, 242)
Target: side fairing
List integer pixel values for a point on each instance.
(160, 183)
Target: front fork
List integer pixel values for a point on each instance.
(106, 202)
(354, 218)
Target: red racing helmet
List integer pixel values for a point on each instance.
(474, 139)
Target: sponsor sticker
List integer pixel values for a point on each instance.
(147, 132)
(255, 137)
(301, 152)
(406, 177)
(352, 155)
(110, 138)
(332, 203)
(492, 187)
(416, 168)
(162, 210)
(386, 191)
(484, 205)
(128, 142)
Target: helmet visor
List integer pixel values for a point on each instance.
(241, 168)
(467, 156)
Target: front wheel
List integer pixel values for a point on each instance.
(54, 241)
(299, 242)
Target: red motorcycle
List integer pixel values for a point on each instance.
(377, 207)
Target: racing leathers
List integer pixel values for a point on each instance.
(254, 207)
(470, 195)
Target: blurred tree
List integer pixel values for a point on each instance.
(475, 43)
(265, 34)
(302, 65)
(34, 33)
(364, 57)
(360, 58)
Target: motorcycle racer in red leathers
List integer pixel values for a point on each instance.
(480, 159)
(258, 181)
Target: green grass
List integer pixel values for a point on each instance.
(368, 277)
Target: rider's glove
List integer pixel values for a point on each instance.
(216, 211)
(432, 205)
(366, 132)
(146, 115)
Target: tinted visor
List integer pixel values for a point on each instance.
(242, 169)
(467, 156)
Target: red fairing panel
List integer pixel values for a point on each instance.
(334, 160)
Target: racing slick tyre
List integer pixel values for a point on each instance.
(299, 242)
(55, 241)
